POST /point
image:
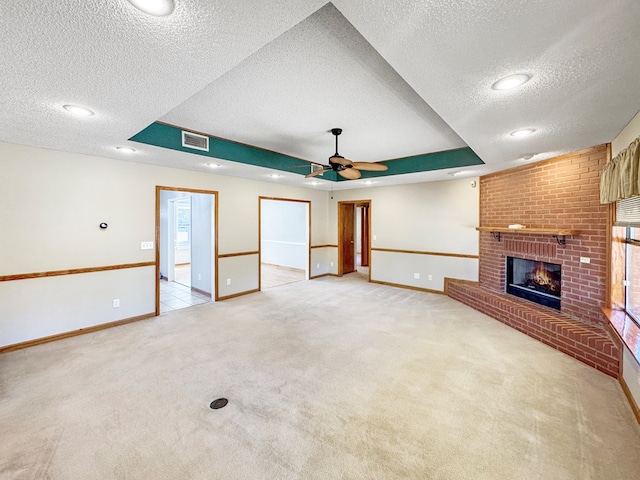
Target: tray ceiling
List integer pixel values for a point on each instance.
(403, 79)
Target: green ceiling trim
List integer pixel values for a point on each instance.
(169, 136)
(458, 158)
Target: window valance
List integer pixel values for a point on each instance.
(620, 178)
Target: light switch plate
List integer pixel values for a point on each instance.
(146, 245)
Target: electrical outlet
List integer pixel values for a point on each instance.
(228, 281)
(116, 303)
(430, 277)
(146, 245)
(416, 276)
(585, 260)
(332, 264)
(317, 265)
(199, 276)
(375, 237)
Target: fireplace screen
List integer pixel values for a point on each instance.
(538, 282)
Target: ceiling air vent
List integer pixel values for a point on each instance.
(193, 140)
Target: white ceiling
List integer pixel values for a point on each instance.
(400, 77)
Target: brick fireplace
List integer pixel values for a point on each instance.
(557, 194)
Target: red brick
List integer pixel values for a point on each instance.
(587, 343)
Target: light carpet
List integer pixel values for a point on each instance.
(333, 378)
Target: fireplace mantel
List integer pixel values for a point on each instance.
(558, 233)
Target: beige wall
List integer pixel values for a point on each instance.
(626, 136)
(53, 204)
(54, 201)
(436, 217)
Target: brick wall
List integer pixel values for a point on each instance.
(562, 192)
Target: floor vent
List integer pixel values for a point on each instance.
(193, 140)
(218, 403)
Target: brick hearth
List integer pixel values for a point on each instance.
(560, 193)
(590, 344)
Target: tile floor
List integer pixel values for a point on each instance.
(174, 296)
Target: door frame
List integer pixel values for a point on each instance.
(159, 189)
(281, 199)
(366, 238)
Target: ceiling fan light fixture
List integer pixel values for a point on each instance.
(525, 132)
(511, 81)
(157, 8)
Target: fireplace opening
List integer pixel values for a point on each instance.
(539, 282)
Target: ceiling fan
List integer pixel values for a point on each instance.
(346, 168)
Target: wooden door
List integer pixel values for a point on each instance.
(346, 238)
(364, 235)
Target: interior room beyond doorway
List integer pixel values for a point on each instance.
(186, 244)
(284, 241)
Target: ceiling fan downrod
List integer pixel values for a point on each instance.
(336, 132)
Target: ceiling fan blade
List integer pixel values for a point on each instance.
(370, 166)
(350, 173)
(317, 172)
(340, 160)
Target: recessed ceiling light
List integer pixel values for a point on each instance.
(368, 182)
(512, 81)
(213, 165)
(313, 183)
(455, 174)
(522, 133)
(275, 175)
(125, 149)
(157, 8)
(78, 110)
(528, 156)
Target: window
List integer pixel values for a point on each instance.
(627, 234)
(632, 273)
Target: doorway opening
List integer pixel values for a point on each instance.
(284, 236)
(186, 248)
(354, 237)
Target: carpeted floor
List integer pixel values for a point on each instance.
(333, 378)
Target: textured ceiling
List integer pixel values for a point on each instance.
(400, 77)
(320, 74)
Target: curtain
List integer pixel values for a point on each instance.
(620, 178)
